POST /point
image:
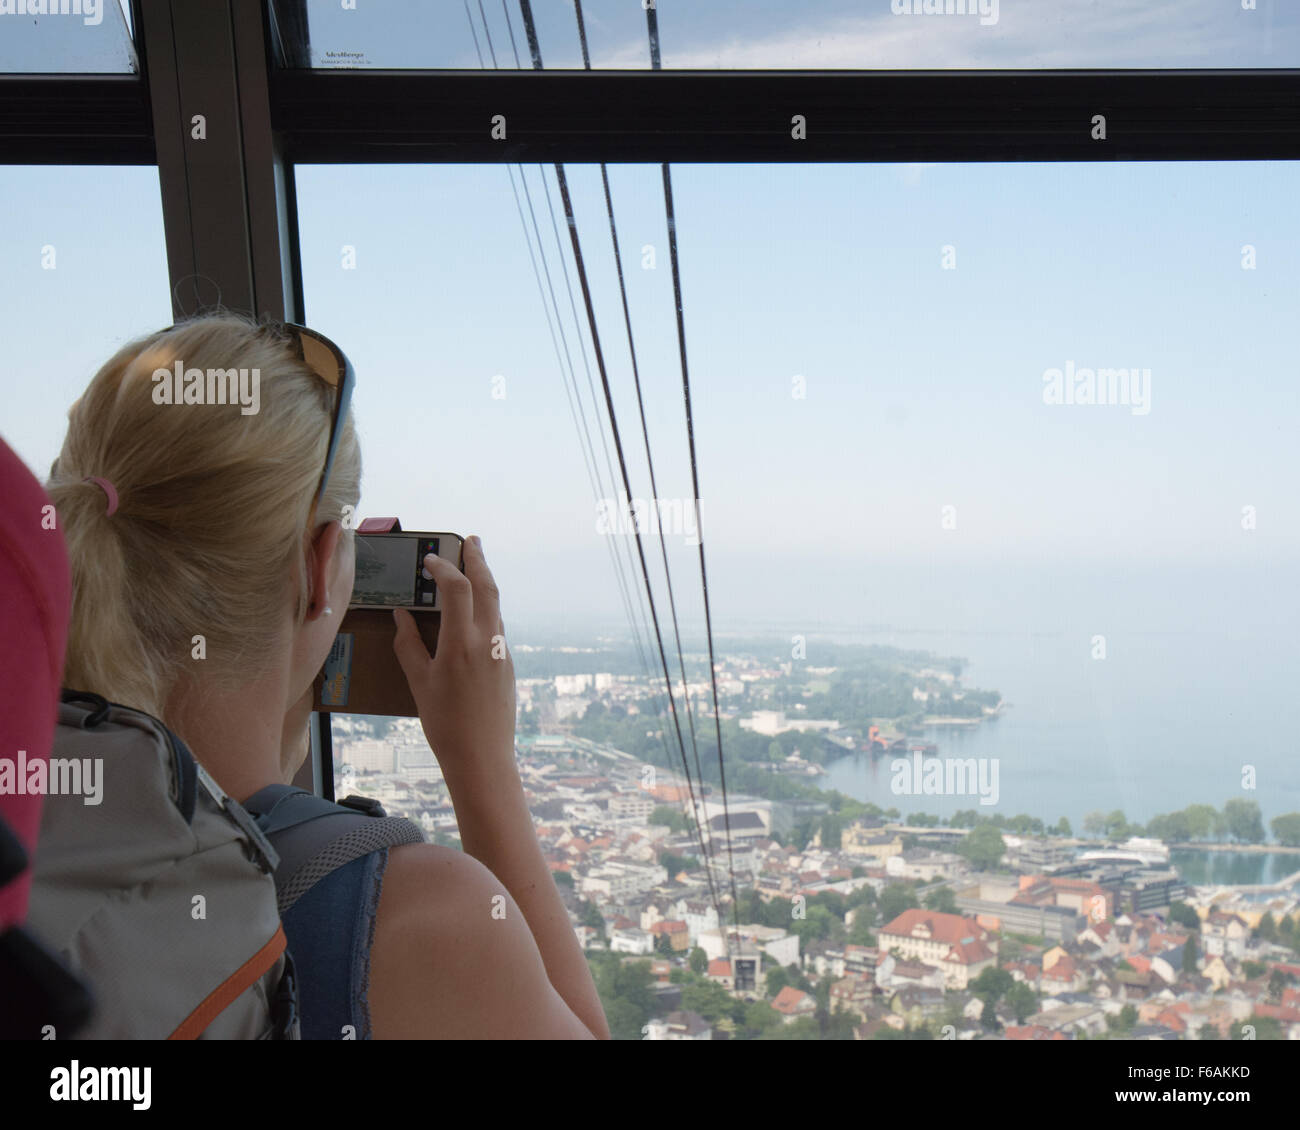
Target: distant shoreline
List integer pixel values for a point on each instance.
(1247, 849)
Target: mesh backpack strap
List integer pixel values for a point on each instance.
(314, 836)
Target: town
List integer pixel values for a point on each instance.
(840, 920)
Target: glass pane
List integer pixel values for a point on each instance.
(818, 35)
(66, 37)
(998, 476)
(73, 289)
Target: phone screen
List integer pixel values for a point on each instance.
(390, 572)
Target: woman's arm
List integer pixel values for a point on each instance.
(497, 829)
(465, 694)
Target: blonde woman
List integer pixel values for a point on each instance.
(223, 521)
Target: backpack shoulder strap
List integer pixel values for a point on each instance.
(314, 836)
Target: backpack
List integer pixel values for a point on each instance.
(313, 837)
(160, 892)
(326, 905)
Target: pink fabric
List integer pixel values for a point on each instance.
(35, 593)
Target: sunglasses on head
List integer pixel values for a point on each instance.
(331, 364)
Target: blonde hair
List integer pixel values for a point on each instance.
(212, 515)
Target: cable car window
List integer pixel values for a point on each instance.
(66, 37)
(821, 35)
(1031, 420)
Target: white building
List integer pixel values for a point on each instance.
(630, 939)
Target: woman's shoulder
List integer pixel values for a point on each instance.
(454, 958)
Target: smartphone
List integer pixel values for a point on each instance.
(390, 570)
(362, 674)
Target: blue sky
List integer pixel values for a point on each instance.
(923, 385)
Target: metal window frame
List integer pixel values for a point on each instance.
(229, 202)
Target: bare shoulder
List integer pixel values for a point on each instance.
(453, 957)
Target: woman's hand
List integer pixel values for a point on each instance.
(465, 692)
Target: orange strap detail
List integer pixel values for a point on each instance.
(220, 997)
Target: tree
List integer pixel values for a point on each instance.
(989, 1017)
(669, 818)
(663, 945)
(1286, 829)
(563, 878)
(676, 864)
(1094, 823)
(699, 960)
(983, 846)
(760, 1017)
(991, 984)
(942, 899)
(1189, 955)
(777, 978)
(1063, 827)
(1243, 820)
(895, 899)
(1022, 1000)
(1184, 915)
(1266, 1028)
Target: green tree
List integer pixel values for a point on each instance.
(777, 978)
(1094, 823)
(699, 960)
(1243, 820)
(1189, 955)
(1022, 1000)
(1286, 829)
(895, 899)
(983, 846)
(1063, 827)
(991, 984)
(760, 1017)
(942, 899)
(563, 879)
(663, 945)
(668, 818)
(1184, 915)
(1266, 1028)
(676, 864)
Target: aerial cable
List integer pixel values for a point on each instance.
(652, 30)
(593, 472)
(530, 28)
(622, 577)
(645, 433)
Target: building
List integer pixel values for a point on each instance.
(1039, 854)
(369, 755)
(680, 1025)
(958, 946)
(769, 723)
(923, 864)
(1056, 923)
(633, 805)
(793, 1004)
(870, 842)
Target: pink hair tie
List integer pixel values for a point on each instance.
(109, 490)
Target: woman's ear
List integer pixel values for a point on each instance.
(323, 567)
